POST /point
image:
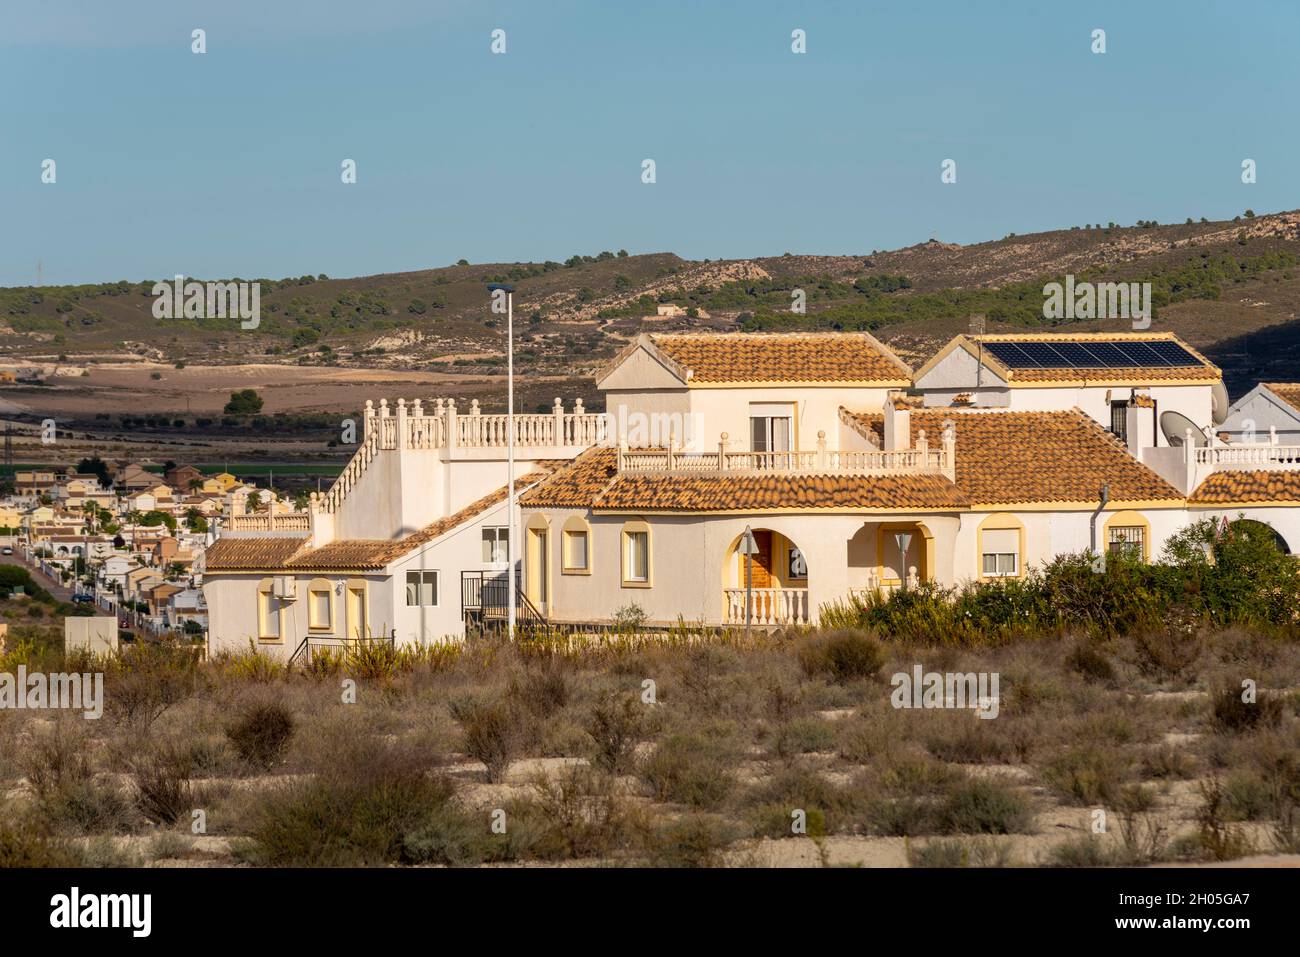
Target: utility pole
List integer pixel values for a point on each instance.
(511, 612)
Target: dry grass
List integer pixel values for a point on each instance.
(670, 751)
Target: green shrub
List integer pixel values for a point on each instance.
(844, 655)
(985, 806)
(690, 767)
(493, 733)
(693, 840)
(1087, 773)
(614, 729)
(368, 816)
(262, 734)
(1231, 714)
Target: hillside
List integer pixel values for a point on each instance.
(1229, 288)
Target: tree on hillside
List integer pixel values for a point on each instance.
(243, 402)
(96, 466)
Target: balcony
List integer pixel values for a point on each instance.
(1262, 456)
(921, 459)
(268, 522)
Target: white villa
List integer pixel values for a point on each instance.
(851, 472)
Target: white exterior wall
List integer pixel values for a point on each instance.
(693, 558)
(712, 411)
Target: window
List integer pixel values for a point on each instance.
(357, 610)
(770, 427)
(798, 565)
(422, 588)
(575, 550)
(496, 545)
(320, 605)
(1127, 539)
(636, 554)
(1000, 548)
(999, 565)
(268, 612)
(1119, 420)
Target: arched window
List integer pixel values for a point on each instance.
(637, 563)
(575, 557)
(269, 611)
(1002, 547)
(320, 605)
(1128, 533)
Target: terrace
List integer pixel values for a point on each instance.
(920, 459)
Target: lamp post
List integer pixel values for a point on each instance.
(511, 611)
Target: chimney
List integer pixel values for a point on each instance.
(1140, 423)
(898, 423)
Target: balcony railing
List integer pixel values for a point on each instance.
(770, 606)
(1249, 456)
(284, 522)
(920, 459)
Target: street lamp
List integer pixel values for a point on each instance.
(509, 291)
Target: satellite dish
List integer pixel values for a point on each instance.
(1175, 425)
(1219, 403)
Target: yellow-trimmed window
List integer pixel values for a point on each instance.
(268, 611)
(320, 605)
(576, 550)
(1001, 547)
(637, 565)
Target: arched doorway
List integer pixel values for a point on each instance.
(766, 583)
(904, 554)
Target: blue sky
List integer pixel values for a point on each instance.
(228, 163)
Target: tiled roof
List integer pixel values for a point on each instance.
(249, 554)
(1288, 392)
(776, 357)
(592, 481)
(748, 492)
(578, 483)
(347, 554)
(1232, 487)
(1013, 457)
(1201, 370)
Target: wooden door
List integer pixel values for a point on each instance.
(762, 561)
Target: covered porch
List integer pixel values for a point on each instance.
(792, 571)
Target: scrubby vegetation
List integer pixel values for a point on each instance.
(1209, 575)
(678, 749)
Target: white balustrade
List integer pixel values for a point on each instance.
(770, 606)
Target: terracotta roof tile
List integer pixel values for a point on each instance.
(1012, 457)
(1288, 392)
(229, 553)
(749, 492)
(774, 357)
(1232, 487)
(592, 481)
(347, 554)
(577, 484)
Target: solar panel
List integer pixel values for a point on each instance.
(1173, 353)
(1105, 355)
(1090, 354)
(1143, 355)
(1009, 354)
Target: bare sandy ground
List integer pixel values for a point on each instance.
(122, 386)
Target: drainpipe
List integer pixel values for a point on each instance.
(1092, 525)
